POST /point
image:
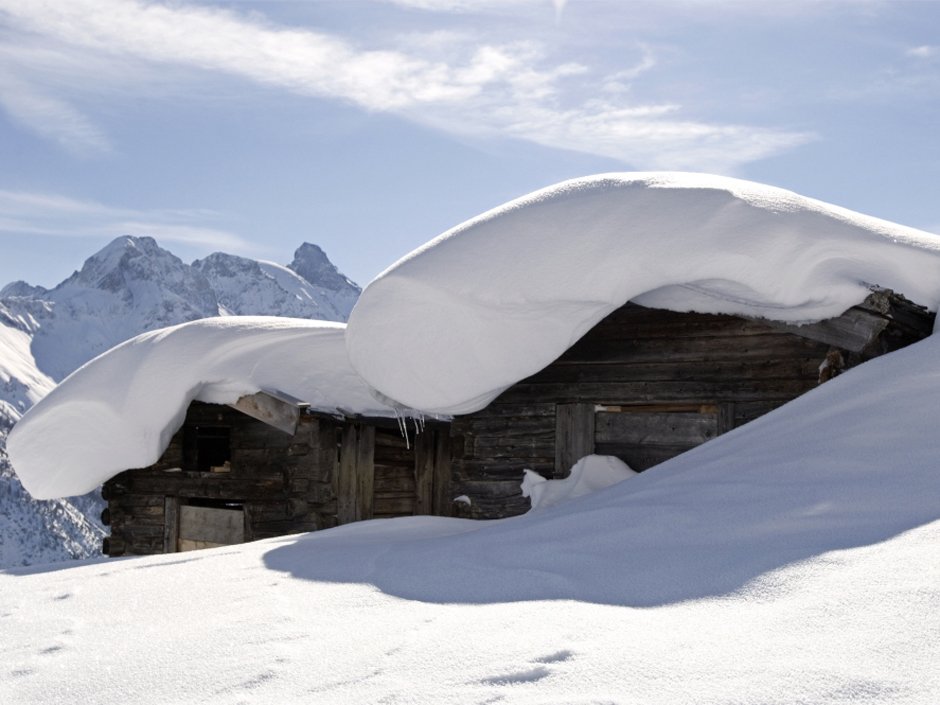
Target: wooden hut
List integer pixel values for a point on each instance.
(646, 385)
(268, 466)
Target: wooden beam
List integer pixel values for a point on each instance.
(424, 473)
(365, 472)
(171, 524)
(276, 409)
(346, 476)
(574, 435)
(442, 503)
(854, 330)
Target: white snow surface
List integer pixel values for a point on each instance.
(590, 474)
(120, 410)
(495, 299)
(791, 561)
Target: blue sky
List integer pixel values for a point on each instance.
(370, 126)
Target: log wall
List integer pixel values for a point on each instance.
(647, 384)
(327, 473)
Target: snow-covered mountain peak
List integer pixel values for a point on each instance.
(136, 267)
(247, 287)
(22, 289)
(311, 262)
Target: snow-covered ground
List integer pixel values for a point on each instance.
(793, 560)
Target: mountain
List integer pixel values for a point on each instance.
(130, 286)
(247, 287)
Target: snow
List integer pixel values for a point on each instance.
(21, 382)
(247, 287)
(129, 287)
(791, 561)
(497, 298)
(589, 474)
(120, 410)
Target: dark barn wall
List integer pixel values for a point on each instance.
(329, 472)
(284, 483)
(646, 385)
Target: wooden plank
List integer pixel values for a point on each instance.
(652, 428)
(640, 457)
(171, 524)
(394, 506)
(664, 391)
(670, 370)
(574, 435)
(424, 473)
(272, 408)
(442, 497)
(346, 475)
(854, 330)
(218, 526)
(365, 472)
(726, 417)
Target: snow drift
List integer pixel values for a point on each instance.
(590, 474)
(120, 410)
(495, 299)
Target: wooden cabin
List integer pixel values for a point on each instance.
(646, 385)
(268, 466)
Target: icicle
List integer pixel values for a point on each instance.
(403, 426)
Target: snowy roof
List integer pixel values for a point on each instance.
(120, 410)
(497, 298)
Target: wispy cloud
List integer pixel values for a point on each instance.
(31, 213)
(511, 89)
(50, 117)
(924, 51)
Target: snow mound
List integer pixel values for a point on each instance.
(120, 410)
(590, 474)
(495, 299)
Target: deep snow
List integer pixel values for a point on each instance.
(120, 410)
(791, 561)
(495, 299)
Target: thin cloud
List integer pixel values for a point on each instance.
(31, 213)
(510, 90)
(923, 52)
(51, 118)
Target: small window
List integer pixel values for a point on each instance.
(207, 448)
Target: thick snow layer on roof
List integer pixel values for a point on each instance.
(497, 298)
(120, 410)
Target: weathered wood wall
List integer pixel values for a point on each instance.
(328, 472)
(647, 384)
(284, 483)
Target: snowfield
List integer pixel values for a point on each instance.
(793, 560)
